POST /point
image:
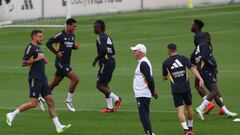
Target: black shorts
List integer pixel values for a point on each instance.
(182, 98)
(209, 78)
(39, 86)
(62, 69)
(105, 71)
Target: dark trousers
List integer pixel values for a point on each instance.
(143, 110)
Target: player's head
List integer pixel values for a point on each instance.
(139, 51)
(172, 49)
(37, 36)
(99, 26)
(206, 37)
(71, 25)
(197, 25)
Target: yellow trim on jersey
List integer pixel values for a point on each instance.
(202, 64)
(57, 46)
(106, 56)
(170, 76)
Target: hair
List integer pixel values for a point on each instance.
(34, 32)
(70, 21)
(172, 47)
(102, 23)
(199, 23)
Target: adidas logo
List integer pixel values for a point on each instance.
(176, 64)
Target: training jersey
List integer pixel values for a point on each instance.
(63, 42)
(204, 58)
(37, 69)
(175, 68)
(105, 48)
(143, 83)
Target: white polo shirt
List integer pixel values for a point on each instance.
(140, 86)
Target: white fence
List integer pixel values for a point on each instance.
(31, 9)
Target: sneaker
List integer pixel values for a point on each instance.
(107, 110)
(209, 107)
(231, 114)
(188, 132)
(190, 129)
(63, 128)
(41, 103)
(70, 106)
(117, 104)
(200, 113)
(9, 119)
(220, 112)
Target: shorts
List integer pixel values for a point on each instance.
(39, 86)
(182, 98)
(105, 72)
(209, 78)
(62, 69)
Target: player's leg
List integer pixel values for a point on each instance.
(178, 102)
(73, 77)
(188, 102)
(53, 114)
(46, 93)
(34, 86)
(143, 110)
(117, 99)
(203, 94)
(219, 102)
(26, 106)
(55, 82)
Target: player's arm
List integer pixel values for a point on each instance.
(192, 58)
(102, 50)
(53, 40)
(195, 72)
(76, 46)
(164, 72)
(145, 69)
(30, 61)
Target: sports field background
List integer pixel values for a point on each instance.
(155, 29)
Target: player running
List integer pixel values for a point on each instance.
(197, 30)
(106, 61)
(35, 59)
(64, 42)
(175, 69)
(207, 67)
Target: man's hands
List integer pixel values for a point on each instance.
(60, 54)
(201, 83)
(155, 94)
(77, 46)
(94, 63)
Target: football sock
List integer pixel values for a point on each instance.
(56, 122)
(109, 103)
(225, 109)
(204, 104)
(205, 97)
(17, 111)
(69, 97)
(190, 123)
(114, 97)
(184, 125)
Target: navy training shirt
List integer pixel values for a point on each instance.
(175, 67)
(37, 69)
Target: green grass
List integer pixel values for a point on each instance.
(155, 29)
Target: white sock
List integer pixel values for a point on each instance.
(221, 99)
(69, 97)
(184, 125)
(114, 97)
(203, 105)
(17, 111)
(205, 97)
(225, 109)
(190, 123)
(109, 103)
(56, 122)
